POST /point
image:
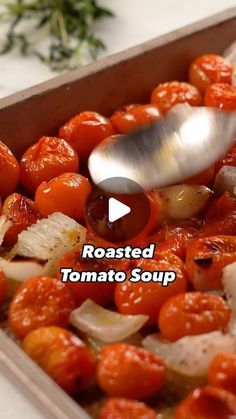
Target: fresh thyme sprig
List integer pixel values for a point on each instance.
(67, 26)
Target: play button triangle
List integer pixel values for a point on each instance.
(117, 210)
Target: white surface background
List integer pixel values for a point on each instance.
(135, 21)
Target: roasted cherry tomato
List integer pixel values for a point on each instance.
(148, 298)
(228, 160)
(222, 96)
(159, 236)
(226, 225)
(132, 117)
(40, 301)
(167, 95)
(9, 171)
(176, 240)
(195, 313)
(222, 371)
(208, 69)
(128, 371)
(220, 207)
(66, 193)
(3, 287)
(220, 217)
(206, 257)
(166, 258)
(62, 355)
(48, 158)
(116, 408)
(207, 403)
(22, 211)
(101, 293)
(85, 131)
(155, 220)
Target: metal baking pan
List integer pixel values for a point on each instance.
(127, 77)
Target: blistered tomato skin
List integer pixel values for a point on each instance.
(48, 158)
(221, 96)
(133, 117)
(220, 217)
(206, 257)
(62, 355)
(208, 69)
(167, 95)
(100, 293)
(225, 225)
(66, 193)
(222, 372)
(9, 171)
(116, 408)
(128, 371)
(148, 298)
(195, 313)
(85, 131)
(207, 403)
(22, 211)
(220, 207)
(40, 301)
(176, 240)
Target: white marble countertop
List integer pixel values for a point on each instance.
(135, 21)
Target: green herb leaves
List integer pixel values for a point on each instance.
(66, 26)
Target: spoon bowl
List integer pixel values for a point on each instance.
(178, 146)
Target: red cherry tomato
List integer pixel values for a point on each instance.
(208, 69)
(66, 193)
(222, 371)
(226, 225)
(22, 211)
(207, 403)
(220, 207)
(176, 240)
(62, 355)
(85, 131)
(195, 313)
(222, 96)
(40, 301)
(48, 158)
(132, 117)
(205, 259)
(116, 408)
(9, 171)
(167, 95)
(148, 298)
(128, 371)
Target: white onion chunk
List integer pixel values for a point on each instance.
(105, 325)
(191, 355)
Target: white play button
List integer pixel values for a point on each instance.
(118, 218)
(117, 210)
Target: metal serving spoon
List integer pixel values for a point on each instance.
(176, 147)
